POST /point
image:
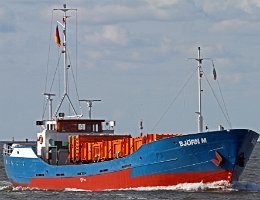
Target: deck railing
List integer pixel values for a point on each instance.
(7, 149)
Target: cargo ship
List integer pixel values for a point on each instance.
(84, 153)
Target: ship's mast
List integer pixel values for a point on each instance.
(200, 73)
(65, 57)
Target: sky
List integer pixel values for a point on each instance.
(133, 55)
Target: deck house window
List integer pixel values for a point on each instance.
(89, 128)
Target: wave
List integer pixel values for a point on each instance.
(76, 190)
(189, 187)
(219, 185)
(246, 186)
(222, 186)
(8, 187)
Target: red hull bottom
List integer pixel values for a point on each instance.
(122, 180)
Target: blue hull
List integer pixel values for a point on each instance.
(189, 154)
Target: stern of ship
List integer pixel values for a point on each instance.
(18, 160)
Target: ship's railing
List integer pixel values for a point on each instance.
(8, 148)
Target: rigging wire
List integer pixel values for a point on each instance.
(76, 62)
(57, 66)
(47, 67)
(225, 107)
(77, 58)
(48, 59)
(220, 91)
(175, 98)
(226, 117)
(75, 83)
(77, 46)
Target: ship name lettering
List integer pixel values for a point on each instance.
(191, 142)
(203, 140)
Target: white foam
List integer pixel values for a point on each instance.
(12, 188)
(75, 190)
(219, 185)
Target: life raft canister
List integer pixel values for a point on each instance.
(40, 139)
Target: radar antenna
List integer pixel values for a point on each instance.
(49, 99)
(89, 104)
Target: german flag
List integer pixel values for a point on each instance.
(57, 36)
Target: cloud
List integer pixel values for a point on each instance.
(114, 45)
(145, 43)
(166, 45)
(251, 7)
(231, 9)
(7, 19)
(115, 35)
(146, 10)
(110, 13)
(108, 35)
(229, 25)
(235, 27)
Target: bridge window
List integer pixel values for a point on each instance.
(81, 127)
